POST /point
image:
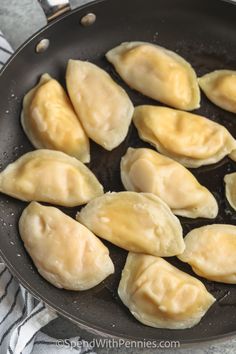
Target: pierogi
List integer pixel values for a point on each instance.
(65, 252)
(50, 176)
(233, 155)
(230, 189)
(50, 122)
(157, 73)
(160, 295)
(188, 138)
(211, 252)
(145, 170)
(102, 106)
(220, 87)
(138, 222)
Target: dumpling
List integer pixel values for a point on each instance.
(50, 176)
(220, 87)
(138, 222)
(160, 295)
(211, 252)
(233, 155)
(230, 189)
(65, 252)
(144, 170)
(188, 138)
(157, 73)
(102, 106)
(50, 122)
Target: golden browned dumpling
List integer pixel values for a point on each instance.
(50, 176)
(65, 252)
(188, 138)
(50, 122)
(157, 73)
(220, 87)
(160, 295)
(102, 106)
(145, 170)
(230, 189)
(211, 252)
(138, 222)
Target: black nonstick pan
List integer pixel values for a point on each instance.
(204, 33)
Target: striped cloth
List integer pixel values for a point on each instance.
(21, 315)
(5, 50)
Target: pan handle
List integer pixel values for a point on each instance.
(54, 8)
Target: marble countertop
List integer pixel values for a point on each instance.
(27, 17)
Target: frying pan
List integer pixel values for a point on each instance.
(204, 33)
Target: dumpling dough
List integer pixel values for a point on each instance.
(103, 107)
(230, 188)
(233, 155)
(138, 222)
(211, 252)
(144, 170)
(65, 252)
(50, 176)
(157, 73)
(220, 87)
(50, 122)
(160, 295)
(188, 138)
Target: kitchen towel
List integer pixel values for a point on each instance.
(21, 315)
(5, 50)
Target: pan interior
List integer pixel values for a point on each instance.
(203, 32)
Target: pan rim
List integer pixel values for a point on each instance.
(109, 333)
(60, 18)
(220, 338)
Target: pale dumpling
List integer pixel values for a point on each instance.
(188, 138)
(157, 73)
(233, 155)
(145, 170)
(230, 189)
(220, 87)
(103, 107)
(65, 252)
(50, 122)
(211, 252)
(160, 295)
(50, 176)
(138, 222)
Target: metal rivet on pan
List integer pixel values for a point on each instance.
(88, 19)
(42, 45)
